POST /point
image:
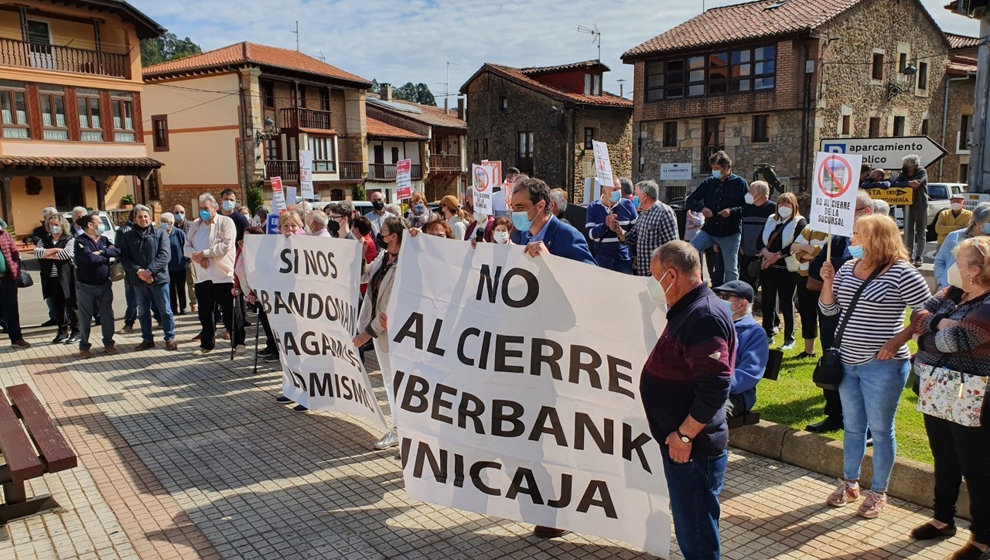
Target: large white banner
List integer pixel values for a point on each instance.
(517, 389)
(308, 286)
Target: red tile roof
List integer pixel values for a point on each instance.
(962, 41)
(961, 66)
(244, 53)
(427, 114)
(583, 65)
(740, 22)
(379, 129)
(516, 75)
(46, 162)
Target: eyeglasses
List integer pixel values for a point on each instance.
(332, 217)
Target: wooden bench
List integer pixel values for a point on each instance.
(771, 373)
(31, 446)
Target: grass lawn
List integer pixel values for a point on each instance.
(795, 400)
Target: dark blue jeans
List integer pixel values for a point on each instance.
(694, 488)
(153, 297)
(624, 266)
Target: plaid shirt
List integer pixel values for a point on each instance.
(655, 226)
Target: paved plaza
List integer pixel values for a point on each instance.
(187, 457)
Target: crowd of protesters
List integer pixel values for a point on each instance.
(705, 366)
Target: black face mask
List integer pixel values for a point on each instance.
(333, 227)
(377, 204)
(904, 169)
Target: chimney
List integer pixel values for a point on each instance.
(386, 92)
(460, 108)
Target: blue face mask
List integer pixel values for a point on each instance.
(204, 215)
(986, 228)
(728, 305)
(102, 228)
(615, 196)
(716, 174)
(856, 251)
(228, 206)
(636, 201)
(180, 217)
(165, 225)
(521, 221)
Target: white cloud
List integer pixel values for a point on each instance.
(399, 41)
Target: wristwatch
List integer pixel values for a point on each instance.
(684, 438)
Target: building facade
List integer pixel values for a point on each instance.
(71, 118)
(781, 77)
(977, 143)
(238, 116)
(543, 120)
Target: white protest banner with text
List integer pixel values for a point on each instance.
(306, 174)
(516, 399)
(833, 193)
(484, 182)
(308, 287)
(603, 166)
(278, 197)
(403, 179)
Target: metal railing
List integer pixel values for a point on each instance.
(284, 168)
(387, 171)
(445, 163)
(63, 59)
(299, 117)
(351, 170)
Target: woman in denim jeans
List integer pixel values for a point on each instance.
(874, 351)
(954, 330)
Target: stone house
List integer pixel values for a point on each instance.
(959, 100)
(543, 121)
(978, 146)
(781, 75)
(433, 138)
(238, 115)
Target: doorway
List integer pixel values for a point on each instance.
(68, 192)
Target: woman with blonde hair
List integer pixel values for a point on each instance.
(55, 252)
(954, 342)
(418, 213)
(291, 223)
(870, 294)
(456, 218)
(779, 270)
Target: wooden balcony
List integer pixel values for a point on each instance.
(288, 170)
(387, 172)
(63, 59)
(294, 118)
(445, 164)
(350, 170)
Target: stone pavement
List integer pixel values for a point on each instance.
(185, 457)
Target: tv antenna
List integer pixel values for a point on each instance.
(596, 37)
(297, 35)
(446, 86)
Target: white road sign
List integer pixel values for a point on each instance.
(886, 153)
(675, 171)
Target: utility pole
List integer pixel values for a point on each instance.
(621, 83)
(297, 35)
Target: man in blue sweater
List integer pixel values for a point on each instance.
(720, 199)
(94, 292)
(608, 250)
(752, 349)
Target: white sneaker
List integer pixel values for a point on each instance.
(240, 349)
(201, 352)
(390, 439)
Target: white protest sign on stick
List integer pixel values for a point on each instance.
(484, 182)
(278, 197)
(834, 188)
(403, 179)
(309, 288)
(603, 166)
(306, 174)
(501, 197)
(513, 397)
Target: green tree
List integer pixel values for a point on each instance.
(165, 48)
(359, 193)
(417, 93)
(255, 196)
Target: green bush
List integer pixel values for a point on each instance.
(255, 196)
(127, 199)
(359, 193)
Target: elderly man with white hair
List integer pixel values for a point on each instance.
(913, 176)
(210, 244)
(77, 212)
(317, 221)
(655, 226)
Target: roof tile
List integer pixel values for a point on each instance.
(962, 41)
(515, 74)
(381, 129)
(21, 162)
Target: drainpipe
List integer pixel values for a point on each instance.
(244, 138)
(945, 119)
(805, 110)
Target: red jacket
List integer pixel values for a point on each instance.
(10, 254)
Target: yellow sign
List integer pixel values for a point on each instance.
(893, 196)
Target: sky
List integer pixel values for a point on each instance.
(399, 41)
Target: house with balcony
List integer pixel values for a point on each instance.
(433, 138)
(71, 120)
(544, 119)
(239, 115)
(976, 129)
(778, 77)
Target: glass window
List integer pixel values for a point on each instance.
(88, 109)
(52, 101)
(589, 138)
(13, 111)
(761, 128)
(159, 129)
(123, 117)
(654, 80)
(323, 161)
(670, 134)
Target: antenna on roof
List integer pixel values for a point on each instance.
(596, 37)
(321, 57)
(297, 35)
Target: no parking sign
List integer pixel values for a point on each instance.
(836, 182)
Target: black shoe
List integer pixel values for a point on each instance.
(60, 337)
(265, 352)
(49, 323)
(804, 355)
(73, 338)
(918, 263)
(282, 399)
(271, 359)
(929, 532)
(869, 438)
(300, 408)
(548, 532)
(829, 424)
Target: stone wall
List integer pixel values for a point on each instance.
(962, 95)
(614, 127)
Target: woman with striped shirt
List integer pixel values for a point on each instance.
(874, 351)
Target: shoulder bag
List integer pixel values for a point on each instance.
(828, 372)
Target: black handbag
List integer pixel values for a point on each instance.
(828, 372)
(24, 279)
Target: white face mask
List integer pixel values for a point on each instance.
(56, 230)
(784, 212)
(657, 294)
(955, 276)
(957, 206)
(501, 237)
(750, 199)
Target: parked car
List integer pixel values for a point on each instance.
(110, 231)
(938, 200)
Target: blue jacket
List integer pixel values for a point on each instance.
(562, 240)
(92, 259)
(944, 259)
(605, 241)
(715, 195)
(176, 240)
(148, 249)
(752, 355)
